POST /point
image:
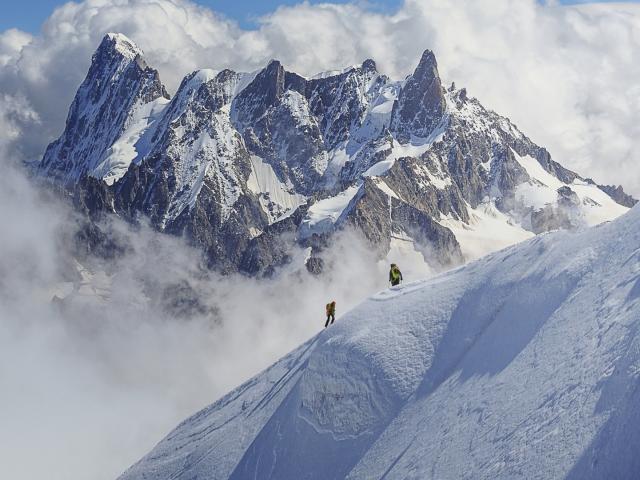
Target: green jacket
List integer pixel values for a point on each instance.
(395, 274)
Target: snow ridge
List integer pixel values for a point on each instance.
(522, 365)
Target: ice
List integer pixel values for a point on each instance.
(133, 144)
(323, 215)
(379, 114)
(416, 147)
(604, 209)
(245, 79)
(521, 365)
(276, 198)
(382, 185)
(337, 159)
(298, 107)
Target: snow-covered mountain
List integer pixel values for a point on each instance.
(248, 165)
(111, 110)
(522, 365)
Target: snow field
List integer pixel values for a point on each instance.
(524, 364)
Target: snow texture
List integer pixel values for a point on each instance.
(522, 365)
(542, 190)
(323, 215)
(277, 199)
(487, 230)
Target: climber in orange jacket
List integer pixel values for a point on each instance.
(331, 313)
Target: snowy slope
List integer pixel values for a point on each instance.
(522, 365)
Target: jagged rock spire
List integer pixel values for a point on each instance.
(369, 65)
(113, 43)
(421, 104)
(263, 92)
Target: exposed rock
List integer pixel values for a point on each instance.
(550, 218)
(315, 265)
(237, 162)
(619, 195)
(421, 104)
(567, 198)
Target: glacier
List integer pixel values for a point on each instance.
(524, 364)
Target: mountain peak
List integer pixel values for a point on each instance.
(428, 59)
(369, 65)
(265, 90)
(427, 70)
(421, 104)
(121, 44)
(118, 83)
(277, 140)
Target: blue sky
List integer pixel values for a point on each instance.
(14, 14)
(17, 15)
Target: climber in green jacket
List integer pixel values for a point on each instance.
(395, 275)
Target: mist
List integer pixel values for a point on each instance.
(91, 382)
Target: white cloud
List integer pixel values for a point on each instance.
(88, 387)
(11, 42)
(566, 75)
(16, 116)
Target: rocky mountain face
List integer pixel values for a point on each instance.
(118, 85)
(251, 165)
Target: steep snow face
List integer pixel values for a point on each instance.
(415, 147)
(134, 143)
(486, 230)
(522, 365)
(323, 215)
(277, 199)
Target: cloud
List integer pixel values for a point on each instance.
(12, 42)
(16, 116)
(139, 342)
(565, 75)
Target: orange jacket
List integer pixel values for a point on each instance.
(331, 308)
